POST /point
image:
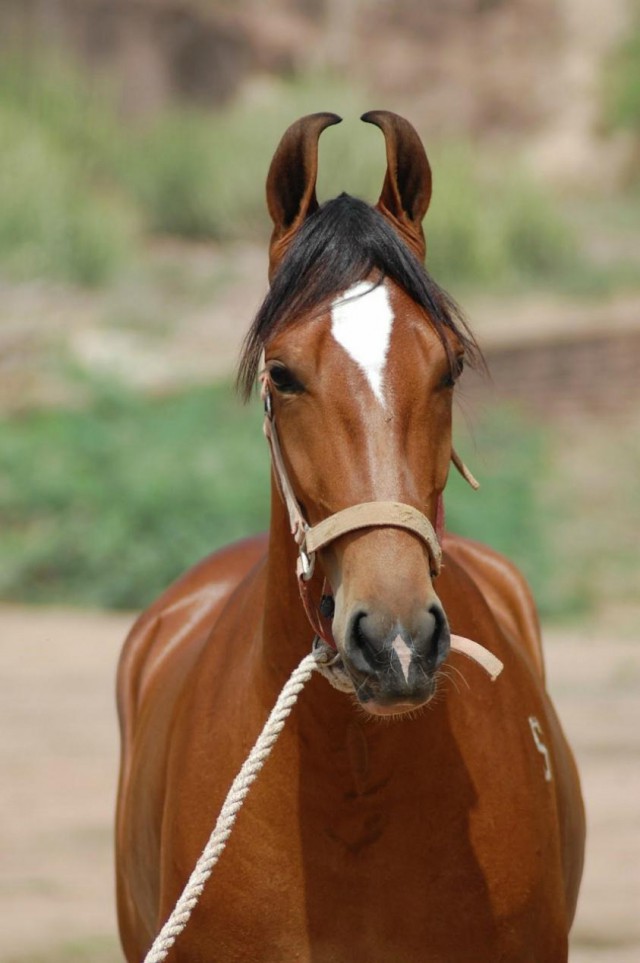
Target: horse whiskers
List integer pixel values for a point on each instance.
(426, 676)
(446, 673)
(449, 678)
(435, 701)
(454, 668)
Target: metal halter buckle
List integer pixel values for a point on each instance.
(307, 564)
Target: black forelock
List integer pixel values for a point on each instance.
(343, 242)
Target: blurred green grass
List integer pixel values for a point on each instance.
(53, 221)
(104, 506)
(621, 86)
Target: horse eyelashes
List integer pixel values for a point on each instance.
(284, 380)
(451, 377)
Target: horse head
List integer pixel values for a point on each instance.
(362, 351)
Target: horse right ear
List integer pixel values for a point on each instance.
(291, 182)
(406, 191)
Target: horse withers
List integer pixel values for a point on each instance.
(428, 815)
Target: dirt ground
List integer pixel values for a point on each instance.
(58, 759)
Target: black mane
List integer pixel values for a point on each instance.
(342, 243)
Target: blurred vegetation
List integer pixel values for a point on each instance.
(106, 505)
(622, 81)
(80, 189)
(490, 225)
(53, 221)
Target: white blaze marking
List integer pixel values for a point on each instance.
(404, 653)
(361, 321)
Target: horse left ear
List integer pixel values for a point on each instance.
(406, 191)
(291, 182)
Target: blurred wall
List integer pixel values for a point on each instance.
(529, 69)
(154, 50)
(466, 64)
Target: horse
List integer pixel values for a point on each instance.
(427, 815)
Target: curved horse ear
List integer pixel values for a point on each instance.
(406, 191)
(291, 182)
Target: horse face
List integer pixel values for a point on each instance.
(362, 390)
(362, 399)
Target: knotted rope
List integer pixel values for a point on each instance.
(327, 661)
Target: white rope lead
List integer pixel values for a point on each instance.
(232, 805)
(325, 660)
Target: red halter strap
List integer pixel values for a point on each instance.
(319, 622)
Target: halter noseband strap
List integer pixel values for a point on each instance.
(370, 514)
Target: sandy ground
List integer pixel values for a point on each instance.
(58, 754)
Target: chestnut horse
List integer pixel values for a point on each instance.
(454, 834)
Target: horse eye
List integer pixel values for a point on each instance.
(455, 370)
(284, 380)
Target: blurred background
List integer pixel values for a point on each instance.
(135, 137)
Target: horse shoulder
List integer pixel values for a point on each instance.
(158, 654)
(184, 612)
(506, 592)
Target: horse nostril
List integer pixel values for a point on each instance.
(437, 647)
(367, 642)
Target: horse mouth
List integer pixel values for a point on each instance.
(378, 700)
(393, 710)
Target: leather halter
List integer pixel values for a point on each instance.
(310, 539)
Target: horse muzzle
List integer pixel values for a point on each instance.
(393, 663)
